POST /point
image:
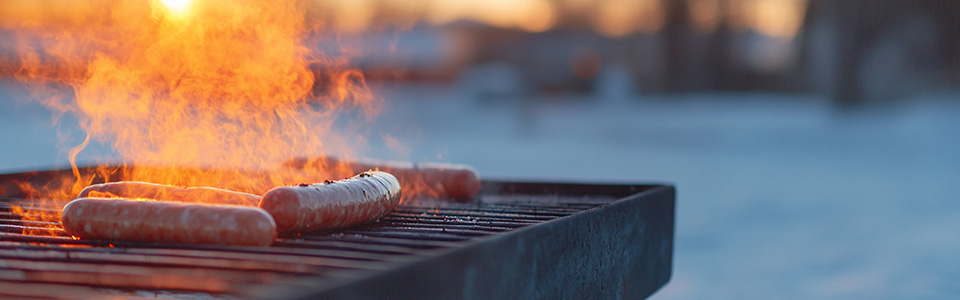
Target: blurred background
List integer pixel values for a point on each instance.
(813, 143)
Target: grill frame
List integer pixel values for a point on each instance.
(617, 242)
(640, 225)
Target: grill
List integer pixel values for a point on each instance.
(514, 240)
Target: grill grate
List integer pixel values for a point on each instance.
(58, 266)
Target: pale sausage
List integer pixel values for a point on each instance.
(157, 221)
(440, 180)
(146, 190)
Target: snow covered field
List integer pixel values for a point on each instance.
(779, 196)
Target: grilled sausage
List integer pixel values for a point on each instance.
(157, 221)
(332, 204)
(458, 182)
(146, 190)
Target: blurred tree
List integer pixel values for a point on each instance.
(859, 26)
(673, 32)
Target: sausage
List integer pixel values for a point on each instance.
(332, 204)
(458, 182)
(157, 221)
(146, 190)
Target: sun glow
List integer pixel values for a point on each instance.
(177, 7)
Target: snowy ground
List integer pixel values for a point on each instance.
(780, 196)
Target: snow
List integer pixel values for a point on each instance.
(779, 196)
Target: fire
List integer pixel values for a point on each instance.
(205, 93)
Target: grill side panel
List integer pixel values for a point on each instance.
(622, 250)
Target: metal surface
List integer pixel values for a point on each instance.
(515, 240)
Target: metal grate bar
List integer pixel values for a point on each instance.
(430, 217)
(481, 213)
(386, 241)
(253, 262)
(434, 221)
(64, 255)
(119, 275)
(482, 228)
(372, 248)
(493, 208)
(33, 290)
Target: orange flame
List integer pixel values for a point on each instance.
(181, 86)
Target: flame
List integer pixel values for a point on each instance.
(184, 86)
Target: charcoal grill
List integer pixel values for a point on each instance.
(514, 240)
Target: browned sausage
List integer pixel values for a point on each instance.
(459, 182)
(157, 221)
(146, 190)
(332, 204)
